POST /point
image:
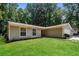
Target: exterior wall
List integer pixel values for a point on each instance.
(54, 32)
(14, 33)
(67, 30)
(29, 33)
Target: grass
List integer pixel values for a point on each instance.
(40, 47)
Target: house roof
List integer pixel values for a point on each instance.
(39, 27)
(24, 25)
(61, 25)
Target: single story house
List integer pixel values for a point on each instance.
(18, 31)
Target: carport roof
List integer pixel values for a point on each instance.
(61, 25)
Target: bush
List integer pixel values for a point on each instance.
(2, 39)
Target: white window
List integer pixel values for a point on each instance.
(34, 32)
(23, 32)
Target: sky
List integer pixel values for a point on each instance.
(23, 5)
(60, 5)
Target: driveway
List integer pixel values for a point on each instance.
(74, 37)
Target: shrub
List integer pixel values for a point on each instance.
(2, 39)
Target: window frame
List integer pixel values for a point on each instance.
(33, 32)
(22, 31)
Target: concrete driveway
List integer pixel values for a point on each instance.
(74, 37)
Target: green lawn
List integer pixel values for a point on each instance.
(40, 47)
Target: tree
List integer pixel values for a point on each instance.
(8, 12)
(71, 11)
(42, 14)
(12, 14)
(3, 18)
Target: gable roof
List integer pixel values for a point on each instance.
(38, 27)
